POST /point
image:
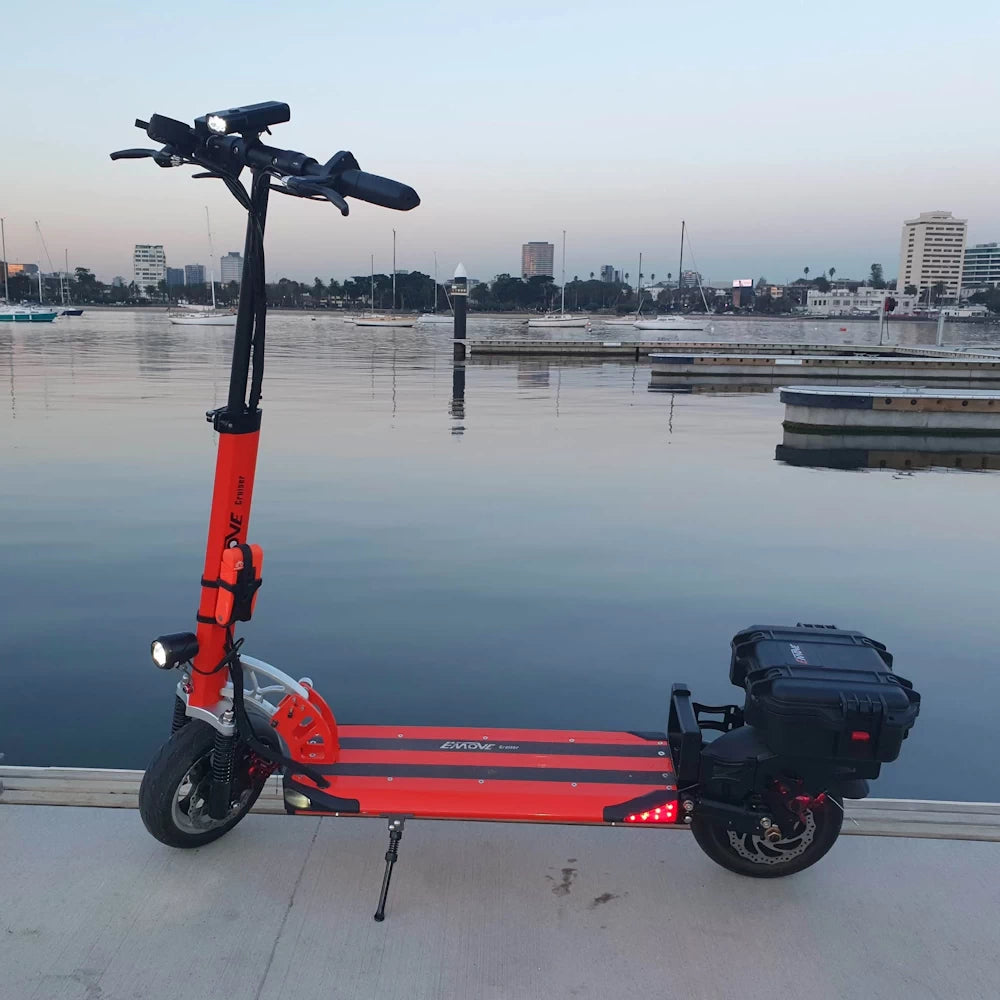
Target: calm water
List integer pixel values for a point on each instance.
(556, 556)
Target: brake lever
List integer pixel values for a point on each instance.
(310, 187)
(133, 154)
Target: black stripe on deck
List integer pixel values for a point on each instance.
(389, 770)
(500, 747)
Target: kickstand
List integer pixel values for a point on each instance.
(391, 857)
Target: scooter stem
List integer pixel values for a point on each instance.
(238, 427)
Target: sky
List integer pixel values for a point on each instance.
(786, 134)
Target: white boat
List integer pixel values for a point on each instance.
(195, 316)
(435, 316)
(561, 318)
(384, 319)
(674, 321)
(203, 319)
(670, 323)
(627, 321)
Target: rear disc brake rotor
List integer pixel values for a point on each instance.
(760, 851)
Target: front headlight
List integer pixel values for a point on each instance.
(170, 650)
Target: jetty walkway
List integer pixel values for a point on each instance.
(92, 908)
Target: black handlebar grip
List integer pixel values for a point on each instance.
(378, 190)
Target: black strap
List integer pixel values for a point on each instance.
(246, 733)
(245, 588)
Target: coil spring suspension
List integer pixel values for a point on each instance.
(223, 753)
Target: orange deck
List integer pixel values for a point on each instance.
(527, 775)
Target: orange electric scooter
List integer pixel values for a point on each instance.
(822, 708)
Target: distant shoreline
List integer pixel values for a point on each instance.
(715, 317)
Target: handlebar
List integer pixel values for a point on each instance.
(225, 142)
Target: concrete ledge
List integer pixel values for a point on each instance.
(95, 908)
(119, 789)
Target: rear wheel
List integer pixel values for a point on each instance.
(173, 796)
(749, 854)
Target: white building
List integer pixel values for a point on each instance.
(865, 301)
(232, 267)
(149, 267)
(982, 266)
(931, 252)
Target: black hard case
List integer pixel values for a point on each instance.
(822, 692)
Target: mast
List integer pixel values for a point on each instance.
(3, 244)
(394, 270)
(66, 273)
(435, 282)
(562, 309)
(680, 268)
(211, 255)
(373, 283)
(638, 291)
(40, 284)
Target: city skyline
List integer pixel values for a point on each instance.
(799, 142)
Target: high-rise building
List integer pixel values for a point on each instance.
(194, 274)
(689, 279)
(175, 277)
(931, 252)
(982, 266)
(149, 266)
(607, 272)
(232, 267)
(536, 260)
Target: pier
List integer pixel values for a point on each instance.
(950, 368)
(281, 907)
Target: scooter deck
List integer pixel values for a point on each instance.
(513, 775)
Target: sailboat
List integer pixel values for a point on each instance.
(69, 309)
(385, 319)
(672, 321)
(204, 317)
(631, 320)
(435, 316)
(562, 318)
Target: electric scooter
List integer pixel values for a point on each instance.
(822, 708)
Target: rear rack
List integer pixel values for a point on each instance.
(685, 727)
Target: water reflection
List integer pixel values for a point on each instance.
(887, 451)
(588, 543)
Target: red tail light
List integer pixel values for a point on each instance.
(860, 736)
(666, 813)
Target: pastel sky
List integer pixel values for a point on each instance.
(786, 134)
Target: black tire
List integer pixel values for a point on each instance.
(176, 782)
(748, 854)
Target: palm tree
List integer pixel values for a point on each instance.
(833, 271)
(591, 275)
(805, 271)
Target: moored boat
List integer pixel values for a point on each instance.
(670, 323)
(18, 314)
(382, 319)
(203, 319)
(560, 320)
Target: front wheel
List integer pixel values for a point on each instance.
(748, 854)
(173, 796)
